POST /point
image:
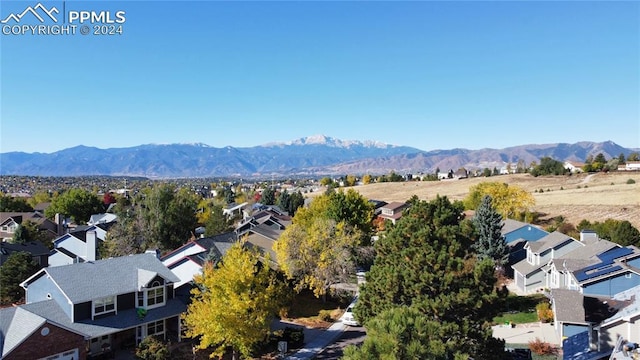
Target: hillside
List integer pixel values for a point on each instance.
(599, 196)
(305, 157)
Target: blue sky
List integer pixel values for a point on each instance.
(433, 75)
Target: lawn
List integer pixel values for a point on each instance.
(310, 311)
(519, 309)
(516, 318)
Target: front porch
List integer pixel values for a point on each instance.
(122, 344)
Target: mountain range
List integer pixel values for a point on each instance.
(308, 156)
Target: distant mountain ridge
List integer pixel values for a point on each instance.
(313, 155)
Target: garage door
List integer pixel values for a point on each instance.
(67, 355)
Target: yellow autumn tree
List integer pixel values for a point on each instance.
(233, 304)
(366, 179)
(317, 250)
(508, 200)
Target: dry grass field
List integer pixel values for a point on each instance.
(594, 197)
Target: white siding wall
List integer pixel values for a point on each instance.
(195, 249)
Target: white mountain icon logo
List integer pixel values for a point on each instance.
(34, 11)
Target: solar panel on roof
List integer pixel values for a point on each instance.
(593, 273)
(613, 254)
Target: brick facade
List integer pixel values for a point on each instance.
(58, 340)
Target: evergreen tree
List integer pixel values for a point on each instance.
(268, 196)
(217, 223)
(284, 200)
(424, 263)
(406, 333)
(490, 243)
(621, 159)
(19, 236)
(16, 269)
(295, 202)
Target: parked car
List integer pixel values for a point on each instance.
(347, 318)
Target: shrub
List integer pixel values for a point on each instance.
(325, 315)
(295, 336)
(540, 347)
(545, 314)
(578, 187)
(631, 181)
(292, 335)
(151, 348)
(541, 190)
(561, 188)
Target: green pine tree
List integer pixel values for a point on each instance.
(424, 263)
(490, 242)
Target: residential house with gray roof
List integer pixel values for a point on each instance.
(560, 270)
(9, 222)
(78, 245)
(110, 303)
(577, 318)
(530, 273)
(189, 259)
(39, 252)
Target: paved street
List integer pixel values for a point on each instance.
(352, 335)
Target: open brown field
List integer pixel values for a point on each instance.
(595, 197)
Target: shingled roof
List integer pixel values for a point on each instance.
(86, 281)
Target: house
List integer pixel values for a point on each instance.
(377, 206)
(530, 274)
(621, 328)
(615, 271)
(268, 216)
(630, 166)
(263, 238)
(25, 335)
(577, 318)
(108, 304)
(516, 235)
(392, 211)
(515, 231)
(105, 218)
(234, 209)
(38, 251)
(189, 259)
(573, 166)
(9, 222)
(79, 245)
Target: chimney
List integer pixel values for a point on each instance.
(58, 219)
(588, 236)
(92, 246)
(155, 252)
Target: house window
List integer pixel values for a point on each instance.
(155, 296)
(555, 279)
(152, 297)
(5, 228)
(104, 305)
(627, 275)
(530, 257)
(155, 328)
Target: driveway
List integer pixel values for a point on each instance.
(523, 333)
